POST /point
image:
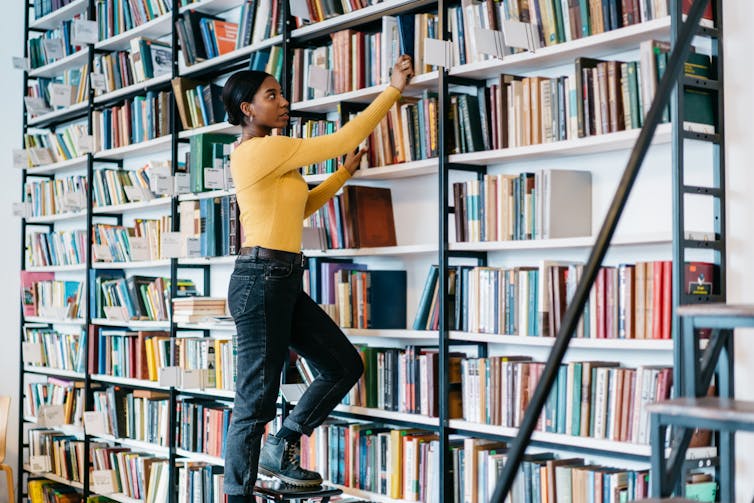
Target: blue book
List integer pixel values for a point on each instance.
(425, 301)
(406, 26)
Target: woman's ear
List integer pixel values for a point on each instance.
(247, 109)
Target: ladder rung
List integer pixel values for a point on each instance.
(703, 245)
(688, 299)
(720, 310)
(706, 31)
(698, 83)
(691, 135)
(704, 191)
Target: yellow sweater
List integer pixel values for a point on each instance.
(273, 197)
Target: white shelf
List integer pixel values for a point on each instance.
(621, 140)
(134, 324)
(155, 28)
(210, 6)
(57, 268)
(158, 144)
(220, 127)
(66, 429)
(69, 164)
(41, 319)
(366, 252)
(560, 243)
(198, 456)
(392, 172)
(209, 194)
(127, 381)
(608, 446)
(391, 333)
(71, 215)
(225, 394)
(388, 415)
(34, 369)
(56, 17)
(241, 53)
(594, 46)
(134, 88)
(369, 496)
(119, 497)
(75, 60)
(144, 264)
(226, 327)
(139, 445)
(55, 114)
(134, 206)
(54, 478)
(226, 260)
(596, 344)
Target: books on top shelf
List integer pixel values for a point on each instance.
(138, 119)
(50, 348)
(199, 104)
(144, 60)
(118, 16)
(49, 148)
(319, 10)
(54, 401)
(57, 248)
(134, 414)
(116, 243)
(55, 196)
(118, 186)
(53, 45)
(42, 295)
(196, 309)
(45, 7)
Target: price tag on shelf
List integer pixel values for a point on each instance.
(193, 247)
(320, 78)
(53, 48)
(299, 9)
(95, 423)
(438, 52)
(20, 63)
(20, 158)
(161, 184)
(60, 95)
(39, 464)
(40, 156)
(98, 81)
(103, 481)
(139, 249)
(22, 209)
(170, 376)
(32, 352)
(193, 379)
(214, 178)
(182, 183)
(84, 32)
(50, 416)
(36, 105)
(118, 313)
(490, 42)
(85, 144)
(171, 244)
(518, 34)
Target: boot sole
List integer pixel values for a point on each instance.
(289, 480)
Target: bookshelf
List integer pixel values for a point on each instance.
(430, 179)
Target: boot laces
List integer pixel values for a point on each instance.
(292, 453)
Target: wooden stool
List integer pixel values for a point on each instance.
(275, 490)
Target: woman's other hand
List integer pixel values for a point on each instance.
(353, 160)
(403, 70)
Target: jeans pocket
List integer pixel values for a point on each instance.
(239, 290)
(278, 271)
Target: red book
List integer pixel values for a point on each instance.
(29, 290)
(667, 298)
(225, 36)
(698, 278)
(610, 303)
(707, 14)
(657, 299)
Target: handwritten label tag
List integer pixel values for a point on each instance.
(139, 249)
(182, 183)
(299, 9)
(320, 78)
(84, 32)
(50, 416)
(518, 34)
(171, 244)
(193, 247)
(490, 42)
(36, 105)
(170, 377)
(193, 379)
(98, 81)
(117, 313)
(103, 481)
(85, 144)
(438, 52)
(22, 209)
(161, 184)
(40, 464)
(95, 423)
(32, 353)
(214, 178)
(53, 48)
(61, 95)
(74, 201)
(20, 158)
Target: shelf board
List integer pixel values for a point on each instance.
(208, 325)
(133, 89)
(391, 333)
(231, 57)
(158, 144)
(226, 260)
(622, 140)
(209, 194)
(57, 268)
(560, 243)
(127, 381)
(388, 415)
(75, 60)
(56, 17)
(69, 113)
(144, 264)
(366, 495)
(594, 46)
(220, 127)
(155, 28)
(134, 206)
(54, 478)
(611, 447)
(210, 6)
(68, 164)
(367, 95)
(119, 497)
(597, 344)
(199, 456)
(226, 394)
(41, 319)
(134, 324)
(140, 445)
(71, 215)
(72, 374)
(391, 172)
(366, 252)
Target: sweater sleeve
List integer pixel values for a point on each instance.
(322, 193)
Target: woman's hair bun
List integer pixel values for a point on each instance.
(241, 87)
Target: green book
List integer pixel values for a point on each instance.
(702, 491)
(201, 156)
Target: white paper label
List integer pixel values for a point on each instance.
(102, 253)
(438, 52)
(95, 423)
(98, 81)
(139, 249)
(20, 63)
(53, 48)
(299, 9)
(490, 42)
(40, 156)
(320, 78)
(214, 178)
(193, 247)
(85, 144)
(40, 464)
(53, 313)
(60, 95)
(182, 183)
(74, 201)
(193, 379)
(32, 352)
(118, 313)
(133, 193)
(22, 209)
(36, 105)
(50, 416)
(171, 244)
(102, 481)
(20, 158)
(161, 185)
(518, 34)
(84, 32)
(170, 377)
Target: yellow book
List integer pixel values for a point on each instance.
(151, 368)
(396, 464)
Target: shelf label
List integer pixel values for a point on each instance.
(182, 183)
(40, 156)
(193, 379)
(32, 352)
(98, 81)
(85, 144)
(438, 52)
(170, 377)
(118, 313)
(22, 209)
(171, 244)
(193, 247)
(214, 178)
(518, 34)
(52, 312)
(21, 63)
(133, 193)
(161, 184)
(40, 464)
(84, 32)
(20, 158)
(95, 423)
(490, 42)
(103, 481)
(36, 105)
(299, 9)
(61, 95)
(320, 78)
(53, 48)
(102, 253)
(74, 201)
(50, 416)
(139, 249)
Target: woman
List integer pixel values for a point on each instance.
(265, 297)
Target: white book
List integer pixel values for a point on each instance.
(567, 204)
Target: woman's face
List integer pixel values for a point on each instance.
(269, 107)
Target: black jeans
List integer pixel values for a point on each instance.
(273, 313)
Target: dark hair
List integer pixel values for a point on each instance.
(241, 87)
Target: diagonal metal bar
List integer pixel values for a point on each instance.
(576, 308)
